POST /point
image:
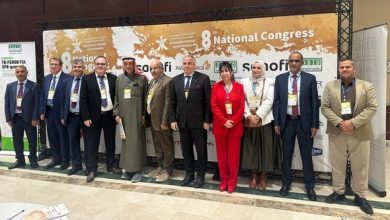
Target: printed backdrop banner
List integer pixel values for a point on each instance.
(369, 51)
(240, 42)
(13, 54)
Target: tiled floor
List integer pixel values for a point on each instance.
(109, 197)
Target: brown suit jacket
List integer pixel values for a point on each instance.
(160, 102)
(365, 108)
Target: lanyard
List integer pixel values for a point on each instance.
(228, 90)
(345, 91)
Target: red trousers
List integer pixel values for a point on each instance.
(228, 155)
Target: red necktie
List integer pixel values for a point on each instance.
(20, 94)
(295, 92)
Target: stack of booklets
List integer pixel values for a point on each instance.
(58, 212)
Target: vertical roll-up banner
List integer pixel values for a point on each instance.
(241, 42)
(13, 54)
(369, 52)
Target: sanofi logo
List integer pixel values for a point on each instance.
(316, 151)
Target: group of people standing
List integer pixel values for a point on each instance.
(255, 121)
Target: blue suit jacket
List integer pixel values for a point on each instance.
(30, 101)
(308, 101)
(66, 98)
(57, 94)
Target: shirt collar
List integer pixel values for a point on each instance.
(290, 74)
(58, 75)
(97, 76)
(24, 82)
(189, 75)
(349, 84)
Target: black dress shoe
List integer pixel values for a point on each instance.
(34, 165)
(187, 180)
(52, 164)
(311, 194)
(64, 166)
(115, 170)
(17, 164)
(91, 176)
(199, 182)
(334, 197)
(74, 170)
(363, 204)
(284, 190)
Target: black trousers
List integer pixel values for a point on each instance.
(188, 138)
(293, 129)
(18, 129)
(74, 127)
(92, 141)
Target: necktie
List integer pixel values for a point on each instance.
(187, 86)
(295, 92)
(20, 94)
(52, 88)
(76, 91)
(104, 102)
(53, 83)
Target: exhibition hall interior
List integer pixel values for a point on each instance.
(194, 109)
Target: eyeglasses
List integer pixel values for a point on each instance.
(100, 64)
(294, 61)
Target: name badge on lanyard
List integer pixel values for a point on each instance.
(103, 94)
(19, 102)
(150, 96)
(229, 108)
(127, 93)
(254, 102)
(292, 100)
(74, 97)
(51, 94)
(346, 108)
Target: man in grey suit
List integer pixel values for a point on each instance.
(21, 113)
(349, 104)
(157, 108)
(296, 114)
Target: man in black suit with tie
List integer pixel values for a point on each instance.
(97, 94)
(189, 111)
(296, 114)
(50, 109)
(70, 114)
(21, 113)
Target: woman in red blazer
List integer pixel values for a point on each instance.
(227, 105)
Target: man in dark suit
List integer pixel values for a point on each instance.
(97, 94)
(296, 114)
(50, 109)
(70, 114)
(21, 113)
(189, 111)
(157, 108)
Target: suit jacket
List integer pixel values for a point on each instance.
(308, 101)
(57, 99)
(220, 116)
(365, 108)
(90, 99)
(66, 95)
(30, 101)
(195, 110)
(264, 111)
(160, 102)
